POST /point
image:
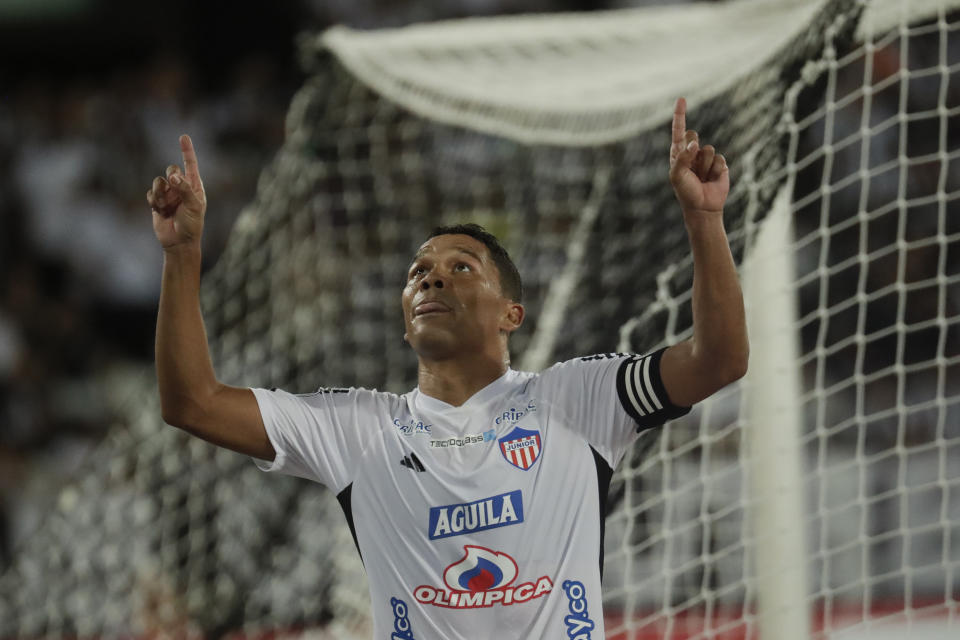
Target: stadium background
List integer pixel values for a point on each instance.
(93, 96)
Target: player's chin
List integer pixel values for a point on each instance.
(427, 324)
(433, 341)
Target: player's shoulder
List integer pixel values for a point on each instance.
(360, 396)
(604, 357)
(563, 378)
(356, 391)
(586, 363)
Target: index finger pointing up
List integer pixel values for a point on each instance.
(679, 121)
(189, 160)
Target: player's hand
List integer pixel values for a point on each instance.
(178, 201)
(699, 175)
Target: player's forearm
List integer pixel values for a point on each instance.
(184, 370)
(720, 342)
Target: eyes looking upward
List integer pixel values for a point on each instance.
(464, 261)
(419, 270)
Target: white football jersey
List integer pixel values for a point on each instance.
(483, 520)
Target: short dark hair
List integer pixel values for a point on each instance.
(510, 283)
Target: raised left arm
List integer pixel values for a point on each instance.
(717, 353)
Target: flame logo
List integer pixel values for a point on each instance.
(481, 569)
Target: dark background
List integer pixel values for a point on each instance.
(93, 94)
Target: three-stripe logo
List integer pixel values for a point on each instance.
(412, 462)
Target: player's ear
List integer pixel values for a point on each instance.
(512, 317)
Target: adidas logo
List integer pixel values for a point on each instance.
(412, 462)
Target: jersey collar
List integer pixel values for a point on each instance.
(484, 395)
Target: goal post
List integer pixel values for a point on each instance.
(820, 495)
(773, 430)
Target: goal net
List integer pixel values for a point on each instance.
(818, 497)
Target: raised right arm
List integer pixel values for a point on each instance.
(191, 397)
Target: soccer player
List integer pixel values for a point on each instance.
(477, 499)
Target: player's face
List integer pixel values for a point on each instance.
(452, 302)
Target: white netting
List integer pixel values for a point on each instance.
(553, 132)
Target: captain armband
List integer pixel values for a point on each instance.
(642, 393)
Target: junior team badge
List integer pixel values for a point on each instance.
(521, 447)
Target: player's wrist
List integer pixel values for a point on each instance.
(703, 219)
(188, 250)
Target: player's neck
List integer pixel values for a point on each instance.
(455, 381)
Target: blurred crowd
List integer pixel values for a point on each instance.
(79, 264)
(90, 112)
(80, 267)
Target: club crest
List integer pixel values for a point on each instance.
(521, 447)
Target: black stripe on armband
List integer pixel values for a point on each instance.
(642, 393)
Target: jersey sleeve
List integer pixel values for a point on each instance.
(610, 398)
(318, 436)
